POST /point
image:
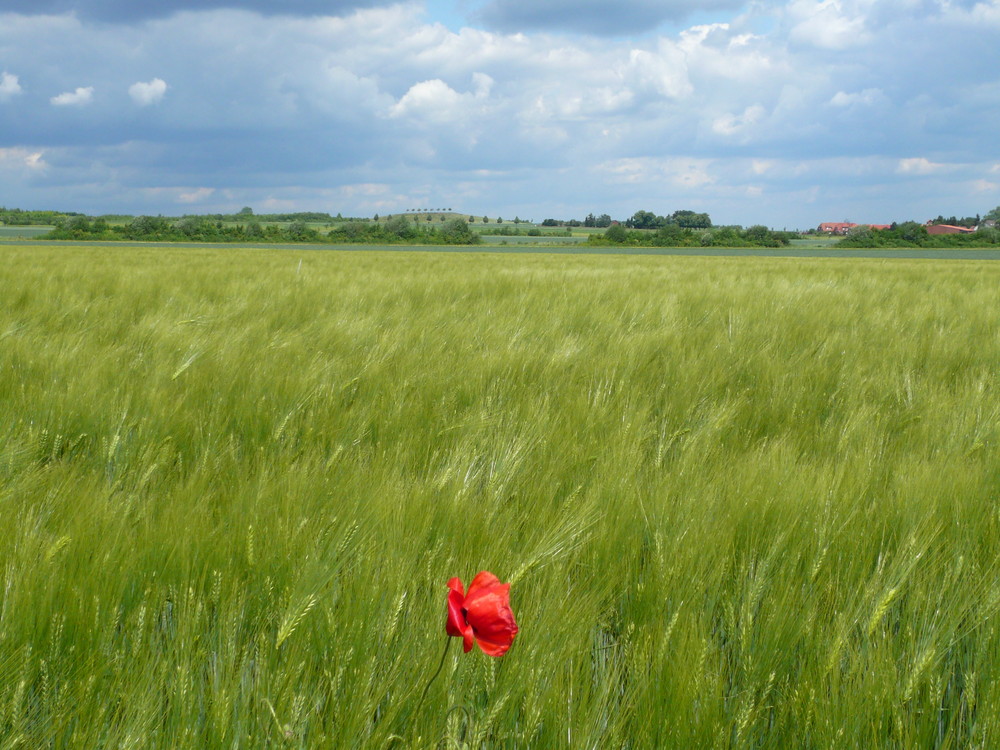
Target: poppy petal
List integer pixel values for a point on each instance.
(494, 649)
(490, 616)
(456, 622)
(467, 638)
(483, 581)
(483, 615)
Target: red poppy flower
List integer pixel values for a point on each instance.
(483, 615)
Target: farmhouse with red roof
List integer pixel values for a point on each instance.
(835, 227)
(947, 229)
(843, 227)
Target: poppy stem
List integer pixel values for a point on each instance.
(420, 703)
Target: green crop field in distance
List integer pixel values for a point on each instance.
(22, 232)
(742, 502)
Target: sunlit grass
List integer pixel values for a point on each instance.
(743, 502)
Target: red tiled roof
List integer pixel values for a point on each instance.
(948, 229)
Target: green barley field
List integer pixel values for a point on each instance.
(743, 502)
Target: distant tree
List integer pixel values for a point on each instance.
(862, 235)
(457, 232)
(245, 211)
(643, 220)
(550, 223)
(590, 221)
(690, 220)
(499, 220)
(604, 220)
(376, 218)
(486, 220)
(616, 233)
(78, 225)
(670, 235)
(911, 231)
(993, 215)
(191, 225)
(758, 234)
(399, 226)
(146, 226)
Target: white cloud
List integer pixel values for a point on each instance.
(432, 100)
(985, 186)
(9, 86)
(145, 94)
(919, 166)
(78, 98)
(22, 158)
(195, 196)
(730, 124)
(864, 97)
(826, 24)
(483, 85)
(679, 172)
(663, 71)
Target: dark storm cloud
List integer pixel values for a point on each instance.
(598, 17)
(125, 11)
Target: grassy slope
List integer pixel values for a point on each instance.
(741, 500)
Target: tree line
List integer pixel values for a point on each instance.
(914, 234)
(673, 235)
(204, 229)
(685, 219)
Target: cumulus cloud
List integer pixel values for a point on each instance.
(678, 172)
(919, 166)
(436, 102)
(432, 100)
(82, 95)
(827, 24)
(9, 86)
(663, 71)
(22, 159)
(145, 94)
(864, 98)
(195, 196)
(730, 124)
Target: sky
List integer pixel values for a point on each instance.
(779, 112)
